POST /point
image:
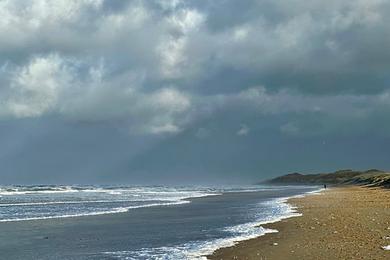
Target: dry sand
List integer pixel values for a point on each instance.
(340, 223)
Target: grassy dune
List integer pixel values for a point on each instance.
(373, 177)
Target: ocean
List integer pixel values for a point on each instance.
(135, 222)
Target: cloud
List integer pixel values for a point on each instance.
(290, 128)
(162, 65)
(244, 130)
(172, 49)
(48, 85)
(34, 89)
(152, 77)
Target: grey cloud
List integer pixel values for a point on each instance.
(316, 47)
(47, 85)
(187, 73)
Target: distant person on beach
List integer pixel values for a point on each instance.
(324, 186)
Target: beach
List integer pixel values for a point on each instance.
(338, 223)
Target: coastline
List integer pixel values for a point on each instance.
(224, 219)
(343, 222)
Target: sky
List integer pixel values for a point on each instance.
(191, 92)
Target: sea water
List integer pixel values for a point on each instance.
(150, 222)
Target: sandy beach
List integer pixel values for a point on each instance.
(339, 223)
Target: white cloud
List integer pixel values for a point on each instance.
(169, 4)
(244, 130)
(162, 111)
(162, 65)
(241, 33)
(170, 99)
(172, 49)
(163, 129)
(35, 88)
(132, 17)
(48, 85)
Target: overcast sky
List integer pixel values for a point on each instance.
(197, 91)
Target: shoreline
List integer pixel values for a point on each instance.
(96, 234)
(330, 227)
(290, 212)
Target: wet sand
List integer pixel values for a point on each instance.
(339, 223)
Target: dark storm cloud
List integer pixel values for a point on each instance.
(168, 75)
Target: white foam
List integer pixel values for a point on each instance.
(17, 192)
(148, 196)
(50, 190)
(188, 251)
(103, 201)
(113, 211)
(116, 210)
(61, 202)
(101, 190)
(250, 230)
(386, 247)
(200, 250)
(195, 250)
(242, 232)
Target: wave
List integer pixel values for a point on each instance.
(53, 190)
(253, 229)
(63, 202)
(97, 213)
(156, 196)
(39, 213)
(199, 250)
(164, 193)
(106, 201)
(113, 190)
